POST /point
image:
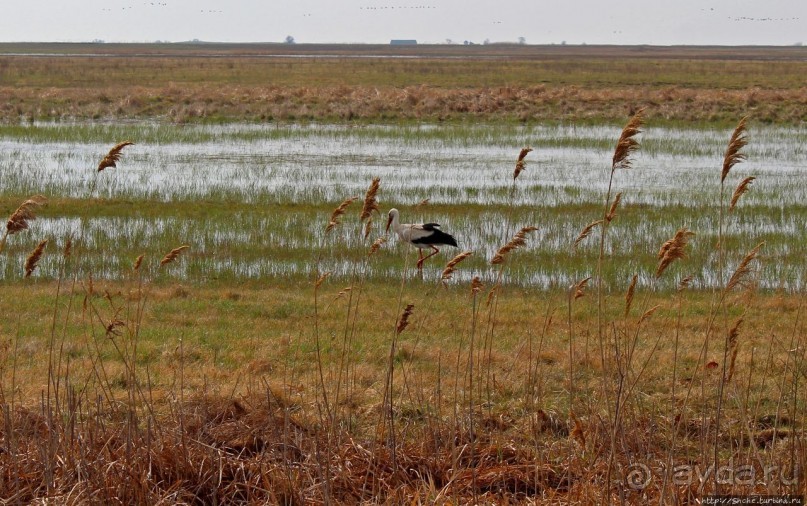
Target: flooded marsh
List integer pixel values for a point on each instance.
(252, 201)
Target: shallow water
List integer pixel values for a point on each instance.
(461, 166)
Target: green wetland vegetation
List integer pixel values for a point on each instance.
(253, 200)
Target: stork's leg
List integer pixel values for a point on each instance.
(420, 259)
(436, 251)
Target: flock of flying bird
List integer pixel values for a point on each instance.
(420, 235)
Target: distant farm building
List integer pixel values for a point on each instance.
(403, 42)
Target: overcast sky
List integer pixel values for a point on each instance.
(661, 22)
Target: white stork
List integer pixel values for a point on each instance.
(421, 236)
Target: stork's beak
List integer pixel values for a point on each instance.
(389, 222)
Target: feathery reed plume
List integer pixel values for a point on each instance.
(33, 259)
(516, 242)
(738, 278)
(733, 347)
(743, 187)
(684, 283)
(612, 211)
(629, 294)
(422, 203)
(491, 293)
(338, 212)
(577, 431)
(19, 219)
(673, 249)
(647, 314)
(449, 270)
(68, 247)
(138, 261)
(404, 321)
(376, 245)
(738, 141)
(520, 163)
(626, 144)
(113, 156)
(173, 254)
(321, 279)
(578, 289)
(476, 285)
(370, 202)
(585, 232)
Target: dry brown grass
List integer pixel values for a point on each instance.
(491, 82)
(248, 432)
(250, 450)
(256, 450)
(552, 102)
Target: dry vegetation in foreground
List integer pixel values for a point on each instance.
(130, 416)
(420, 393)
(525, 84)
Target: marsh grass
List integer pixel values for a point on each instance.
(299, 406)
(550, 83)
(199, 190)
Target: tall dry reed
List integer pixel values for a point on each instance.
(18, 221)
(113, 156)
(33, 259)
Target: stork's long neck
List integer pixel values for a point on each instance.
(396, 224)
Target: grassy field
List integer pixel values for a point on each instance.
(343, 376)
(214, 83)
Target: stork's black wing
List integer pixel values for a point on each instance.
(436, 238)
